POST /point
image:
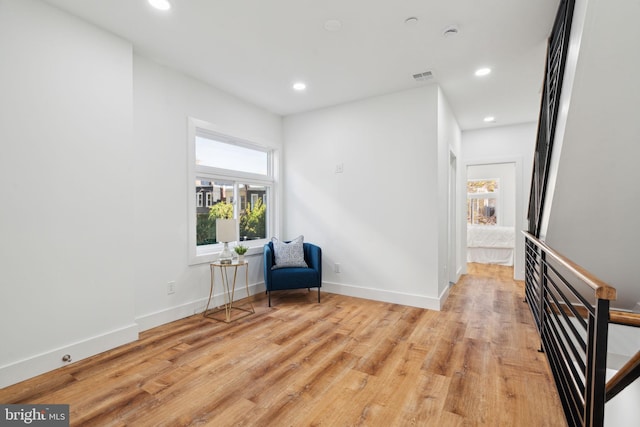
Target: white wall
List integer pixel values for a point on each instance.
(623, 410)
(163, 100)
(596, 195)
(377, 218)
(94, 188)
(507, 144)
(499, 143)
(66, 222)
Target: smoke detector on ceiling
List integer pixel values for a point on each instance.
(421, 77)
(450, 31)
(412, 20)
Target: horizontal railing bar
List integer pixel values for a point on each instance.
(578, 311)
(577, 377)
(566, 356)
(572, 401)
(576, 334)
(624, 318)
(567, 303)
(573, 291)
(602, 289)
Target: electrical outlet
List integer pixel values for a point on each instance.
(340, 168)
(171, 288)
(336, 268)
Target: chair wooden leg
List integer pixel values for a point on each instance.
(318, 294)
(269, 293)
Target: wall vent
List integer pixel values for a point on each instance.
(421, 77)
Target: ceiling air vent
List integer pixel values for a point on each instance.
(423, 77)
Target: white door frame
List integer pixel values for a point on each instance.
(520, 220)
(453, 220)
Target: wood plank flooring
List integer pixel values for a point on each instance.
(343, 362)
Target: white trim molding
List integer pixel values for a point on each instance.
(191, 308)
(383, 295)
(45, 362)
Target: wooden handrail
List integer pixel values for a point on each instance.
(624, 318)
(625, 376)
(602, 289)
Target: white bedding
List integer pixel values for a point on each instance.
(490, 236)
(490, 244)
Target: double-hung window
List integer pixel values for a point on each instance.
(236, 178)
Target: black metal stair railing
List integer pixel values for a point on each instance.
(572, 322)
(554, 73)
(571, 311)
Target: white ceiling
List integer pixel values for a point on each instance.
(256, 49)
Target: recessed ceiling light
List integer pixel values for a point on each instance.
(489, 119)
(160, 4)
(483, 71)
(299, 86)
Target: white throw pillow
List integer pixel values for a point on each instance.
(289, 254)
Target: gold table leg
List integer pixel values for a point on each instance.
(228, 291)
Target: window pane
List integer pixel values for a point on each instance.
(253, 214)
(481, 211)
(482, 186)
(223, 155)
(219, 200)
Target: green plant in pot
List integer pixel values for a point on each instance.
(241, 250)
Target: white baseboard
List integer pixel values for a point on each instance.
(50, 360)
(412, 300)
(443, 296)
(172, 314)
(45, 362)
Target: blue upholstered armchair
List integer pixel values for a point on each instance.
(293, 277)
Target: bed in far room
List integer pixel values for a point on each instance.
(490, 244)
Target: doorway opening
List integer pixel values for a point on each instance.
(492, 212)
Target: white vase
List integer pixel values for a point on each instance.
(240, 258)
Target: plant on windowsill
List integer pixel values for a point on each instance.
(241, 250)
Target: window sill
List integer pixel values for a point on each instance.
(207, 257)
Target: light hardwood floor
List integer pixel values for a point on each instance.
(343, 362)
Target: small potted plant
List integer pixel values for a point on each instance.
(241, 250)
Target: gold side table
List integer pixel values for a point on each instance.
(228, 290)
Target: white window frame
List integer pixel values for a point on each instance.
(208, 253)
(199, 200)
(493, 195)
